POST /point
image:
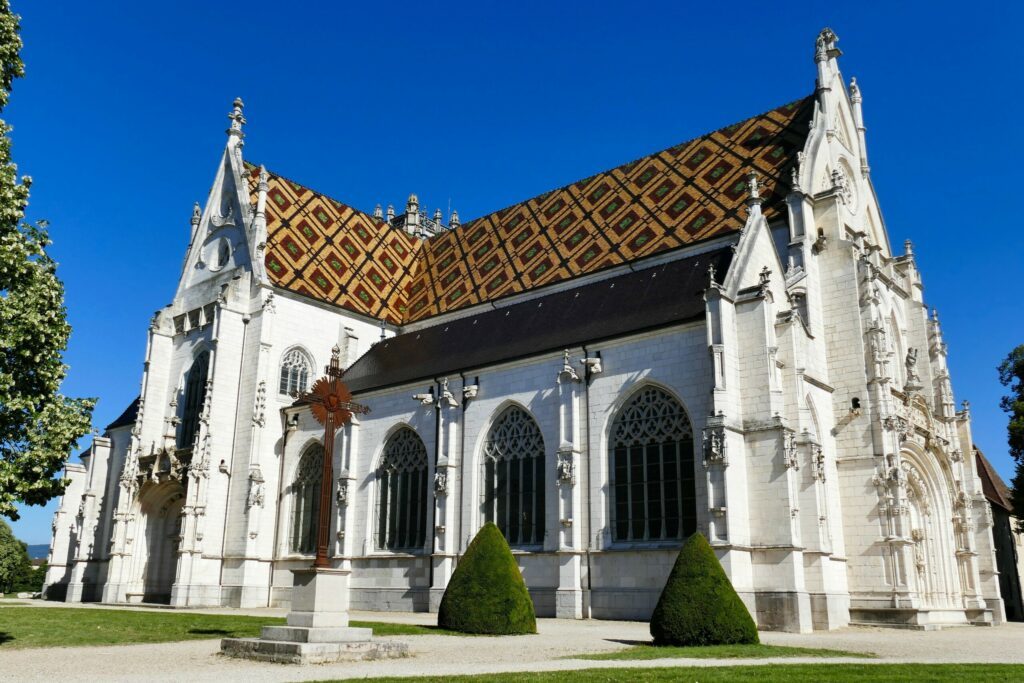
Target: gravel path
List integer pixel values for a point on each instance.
(449, 655)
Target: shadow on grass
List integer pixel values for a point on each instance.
(629, 642)
(5, 637)
(211, 631)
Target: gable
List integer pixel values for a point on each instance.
(665, 201)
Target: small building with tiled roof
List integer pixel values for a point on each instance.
(1006, 535)
(717, 337)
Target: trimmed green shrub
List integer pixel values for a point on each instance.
(486, 593)
(699, 605)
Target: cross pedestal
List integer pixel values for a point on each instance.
(317, 631)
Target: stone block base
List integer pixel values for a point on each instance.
(290, 652)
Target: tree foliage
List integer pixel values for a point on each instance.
(1011, 375)
(699, 606)
(486, 593)
(13, 557)
(38, 426)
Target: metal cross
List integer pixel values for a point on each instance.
(332, 406)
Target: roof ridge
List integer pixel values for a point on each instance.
(317, 192)
(799, 100)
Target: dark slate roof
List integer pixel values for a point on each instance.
(992, 484)
(646, 299)
(127, 417)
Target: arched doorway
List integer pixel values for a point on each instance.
(160, 507)
(933, 572)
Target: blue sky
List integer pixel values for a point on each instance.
(120, 121)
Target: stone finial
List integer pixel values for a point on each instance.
(754, 188)
(391, 212)
(854, 91)
(908, 247)
(196, 213)
(264, 181)
(437, 216)
(825, 45)
(711, 275)
(453, 221)
(378, 212)
(236, 118)
(413, 203)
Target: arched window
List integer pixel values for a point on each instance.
(295, 371)
(514, 478)
(195, 394)
(653, 492)
(402, 493)
(305, 492)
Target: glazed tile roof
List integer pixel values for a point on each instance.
(992, 485)
(694, 191)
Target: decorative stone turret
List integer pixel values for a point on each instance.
(237, 119)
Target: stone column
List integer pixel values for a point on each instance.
(444, 540)
(569, 595)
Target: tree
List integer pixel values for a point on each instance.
(486, 593)
(11, 560)
(38, 426)
(1011, 376)
(699, 606)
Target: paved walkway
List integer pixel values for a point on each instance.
(449, 655)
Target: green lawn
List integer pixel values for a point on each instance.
(758, 651)
(22, 627)
(808, 673)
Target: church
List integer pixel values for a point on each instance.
(717, 337)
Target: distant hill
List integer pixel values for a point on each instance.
(38, 552)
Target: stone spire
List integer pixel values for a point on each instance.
(262, 187)
(196, 215)
(754, 187)
(237, 119)
(453, 221)
(858, 120)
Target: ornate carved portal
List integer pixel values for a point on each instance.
(918, 517)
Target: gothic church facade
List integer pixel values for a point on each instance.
(717, 337)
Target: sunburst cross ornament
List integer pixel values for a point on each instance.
(332, 406)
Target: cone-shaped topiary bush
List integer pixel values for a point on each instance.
(699, 605)
(486, 593)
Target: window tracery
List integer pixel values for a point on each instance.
(402, 493)
(296, 369)
(514, 477)
(305, 493)
(195, 392)
(653, 486)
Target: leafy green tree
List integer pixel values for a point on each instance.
(38, 426)
(699, 606)
(486, 593)
(11, 551)
(1011, 375)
